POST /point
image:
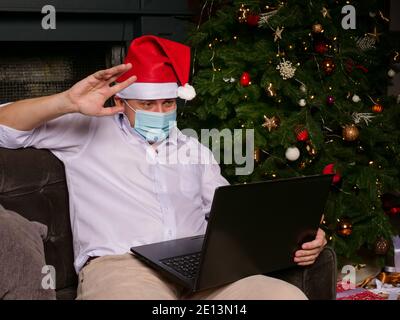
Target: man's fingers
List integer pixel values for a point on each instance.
(306, 259)
(109, 73)
(305, 264)
(320, 233)
(120, 86)
(313, 244)
(304, 253)
(111, 111)
(115, 77)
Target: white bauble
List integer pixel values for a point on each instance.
(356, 98)
(292, 153)
(303, 88)
(391, 73)
(302, 102)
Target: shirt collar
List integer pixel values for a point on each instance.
(121, 118)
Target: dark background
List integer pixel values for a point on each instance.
(103, 28)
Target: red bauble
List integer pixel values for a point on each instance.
(321, 47)
(394, 211)
(302, 135)
(391, 203)
(252, 20)
(330, 169)
(245, 79)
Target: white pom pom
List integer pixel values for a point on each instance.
(186, 92)
(292, 153)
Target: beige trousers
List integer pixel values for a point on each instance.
(125, 277)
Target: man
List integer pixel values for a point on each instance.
(121, 193)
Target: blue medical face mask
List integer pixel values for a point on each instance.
(153, 126)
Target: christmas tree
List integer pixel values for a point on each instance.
(313, 88)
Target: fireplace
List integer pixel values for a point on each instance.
(30, 69)
(89, 35)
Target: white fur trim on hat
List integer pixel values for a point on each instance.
(186, 92)
(150, 91)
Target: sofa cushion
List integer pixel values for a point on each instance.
(22, 258)
(32, 183)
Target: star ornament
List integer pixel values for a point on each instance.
(325, 13)
(375, 34)
(278, 34)
(270, 123)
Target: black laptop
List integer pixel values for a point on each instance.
(253, 228)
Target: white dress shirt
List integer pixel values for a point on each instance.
(122, 191)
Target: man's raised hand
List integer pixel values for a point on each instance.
(89, 95)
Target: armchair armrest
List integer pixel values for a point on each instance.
(317, 281)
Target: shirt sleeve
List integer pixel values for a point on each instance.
(211, 179)
(65, 136)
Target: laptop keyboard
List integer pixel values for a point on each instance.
(185, 265)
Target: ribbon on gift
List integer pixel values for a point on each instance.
(390, 278)
(391, 290)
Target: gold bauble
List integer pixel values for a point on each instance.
(382, 246)
(377, 108)
(344, 227)
(312, 151)
(302, 165)
(317, 28)
(350, 132)
(328, 66)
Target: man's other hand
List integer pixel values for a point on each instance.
(310, 251)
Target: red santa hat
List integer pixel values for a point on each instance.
(162, 68)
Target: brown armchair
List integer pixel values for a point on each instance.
(32, 183)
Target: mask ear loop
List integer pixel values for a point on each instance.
(129, 106)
